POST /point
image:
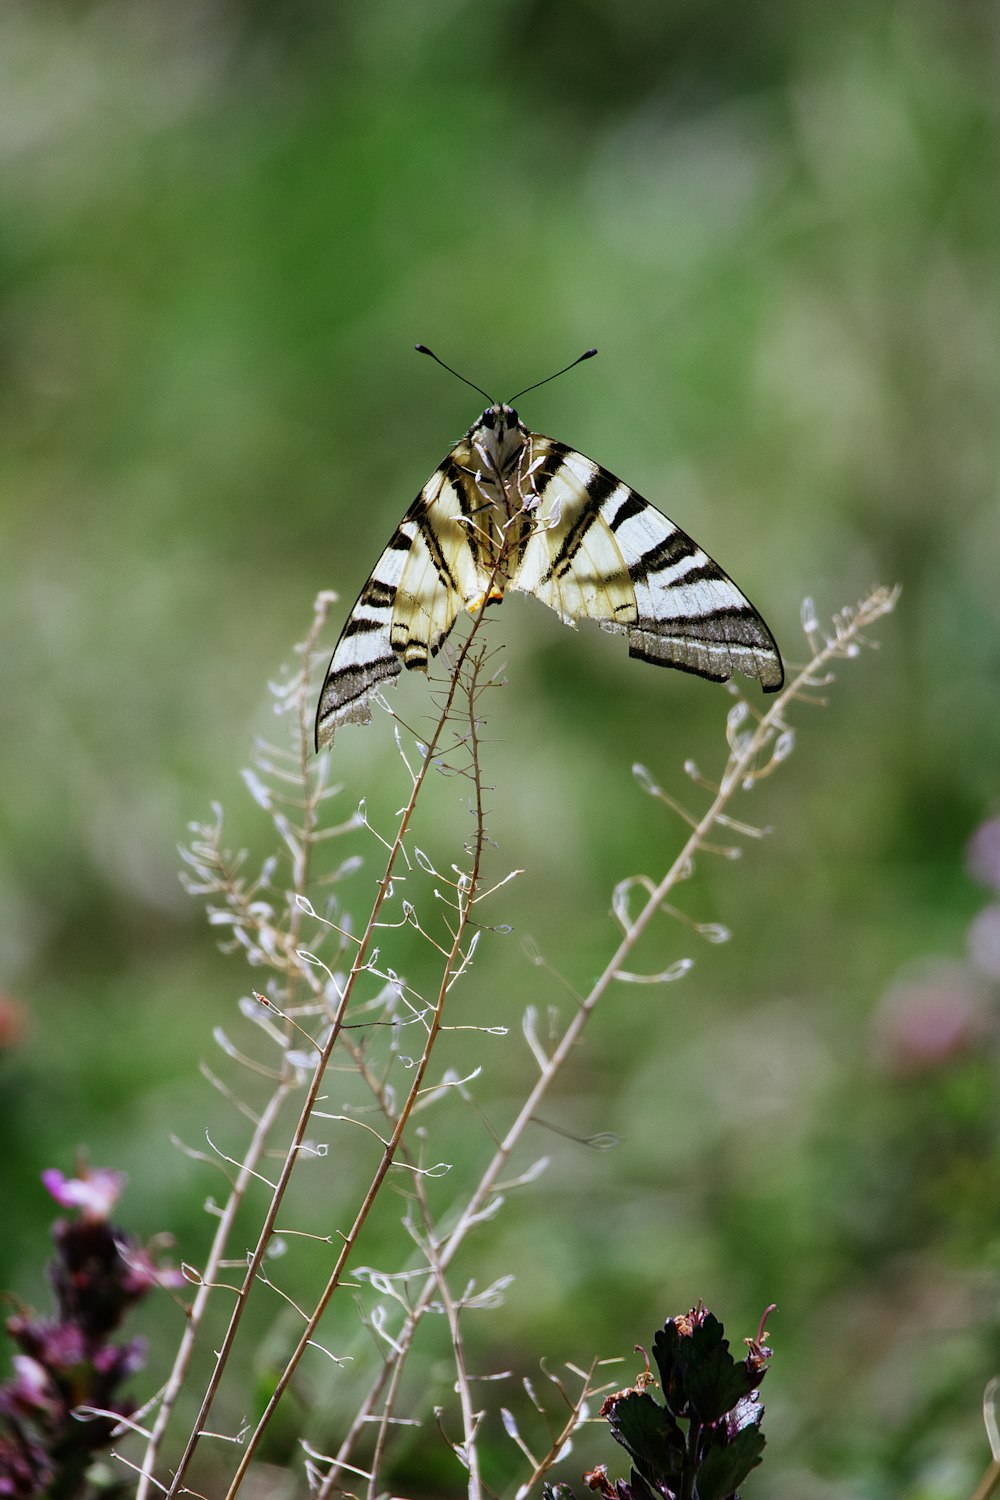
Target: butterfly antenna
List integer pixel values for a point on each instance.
(423, 349)
(587, 354)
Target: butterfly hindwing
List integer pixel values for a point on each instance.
(428, 572)
(602, 552)
(571, 561)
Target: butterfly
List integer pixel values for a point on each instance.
(511, 509)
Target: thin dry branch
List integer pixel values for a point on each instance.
(313, 794)
(747, 763)
(757, 746)
(455, 961)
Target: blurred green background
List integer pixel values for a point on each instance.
(223, 225)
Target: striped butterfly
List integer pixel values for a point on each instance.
(510, 509)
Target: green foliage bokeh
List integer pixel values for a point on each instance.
(222, 228)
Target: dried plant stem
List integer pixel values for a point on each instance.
(175, 1380)
(313, 791)
(742, 766)
(989, 1484)
(544, 1464)
(469, 1451)
(358, 968)
(467, 891)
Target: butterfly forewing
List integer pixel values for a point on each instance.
(512, 508)
(428, 572)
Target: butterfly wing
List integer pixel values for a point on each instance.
(601, 552)
(432, 567)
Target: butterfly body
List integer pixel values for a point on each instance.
(509, 508)
(487, 473)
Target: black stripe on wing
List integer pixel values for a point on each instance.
(665, 554)
(600, 485)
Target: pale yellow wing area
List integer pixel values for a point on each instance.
(441, 573)
(571, 560)
(432, 568)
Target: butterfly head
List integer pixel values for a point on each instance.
(501, 433)
(500, 419)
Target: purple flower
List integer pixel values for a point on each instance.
(32, 1381)
(982, 854)
(95, 1192)
(928, 1020)
(71, 1361)
(984, 940)
(143, 1273)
